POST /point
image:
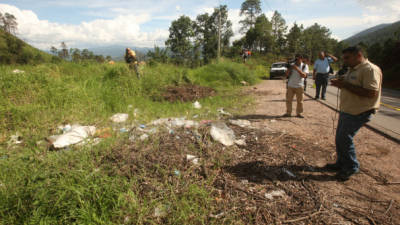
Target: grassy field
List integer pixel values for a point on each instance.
(77, 186)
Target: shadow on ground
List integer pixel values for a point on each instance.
(259, 172)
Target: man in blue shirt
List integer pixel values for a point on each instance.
(321, 72)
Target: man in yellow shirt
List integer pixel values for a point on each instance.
(359, 99)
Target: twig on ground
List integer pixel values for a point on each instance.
(303, 218)
(390, 206)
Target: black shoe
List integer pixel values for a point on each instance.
(316, 98)
(323, 98)
(286, 115)
(345, 175)
(332, 167)
(299, 116)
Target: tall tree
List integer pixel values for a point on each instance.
(180, 39)
(279, 29)
(53, 50)
(206, 32)
(9, 23)
(250, 9)
(317, 38)
(294, 38)
(263, 30)
(64, 51)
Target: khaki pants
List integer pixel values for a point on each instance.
(289, 98)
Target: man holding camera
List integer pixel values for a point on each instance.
(322, 69)
(359, 99)
(295, 74)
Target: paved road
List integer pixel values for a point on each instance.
(387, 120)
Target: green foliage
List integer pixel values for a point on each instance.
(250, 9)
(14, 50)
(179, 41)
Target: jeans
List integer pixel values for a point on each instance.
(321, 80)
(347, 128)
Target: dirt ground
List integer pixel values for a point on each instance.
(375, 190)
(275, 178)
(187, 93)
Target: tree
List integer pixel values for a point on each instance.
(263, 32)
(278, 32)
(206, 33)
(317, 38)
(8, 23)
(53, 50)
(76, 55)
(250, 9)
(294, 38)
(180, 39)
(158, 55)
(64, 51)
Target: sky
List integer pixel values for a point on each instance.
(145, 23)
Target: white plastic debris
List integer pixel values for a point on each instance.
(75, 135)
(288, 172)
(241, 123)
(192, 158)
(197, 105)
(175, 122)
(240, 142)
(244, 83)
(222, 133)
(273, 121)
(221, 111)
(17, 71)
(65, 129)
(119, 117)
(272, 194)
(15, 139)
(144, 137)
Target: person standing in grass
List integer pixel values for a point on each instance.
(322, 69)
(131, 59)
(295, 74)
(360, 93)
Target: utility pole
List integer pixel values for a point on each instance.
(219, 34)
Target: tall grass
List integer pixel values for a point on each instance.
(38, 186)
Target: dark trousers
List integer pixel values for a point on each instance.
(347, 128)
(321, 81)
(305, 84)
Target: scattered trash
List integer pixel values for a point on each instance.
(17, 71)
(217, 216)
(244, 182)
(119, 117)
(240, 142)
(272, 194)
(15, 139)
(273, 121)
(177, 172)
(132, 138)
(193, 159)
(244, 83)
(135, 112)
(288, 173)
(206, 122)
(65, 129)
(144, 137)
(142, 126)
(123, 130)
(221, 111)
(195, 116)
(241, 123)
(75, 135)
(197, 105)
(130, 106)
(222, 133)
(175, 122)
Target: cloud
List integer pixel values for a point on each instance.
(124, 29)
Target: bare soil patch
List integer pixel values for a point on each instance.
(187, 93)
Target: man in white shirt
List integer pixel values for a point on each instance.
(296, 74)
(321, 72)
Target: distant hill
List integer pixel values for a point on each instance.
(117, 52)
(375, 34)
(14, 50)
